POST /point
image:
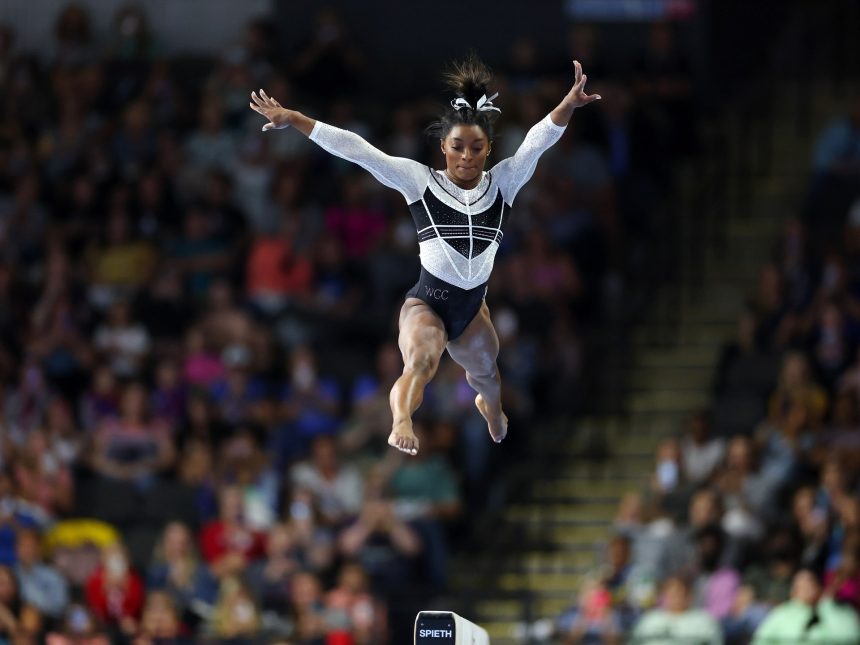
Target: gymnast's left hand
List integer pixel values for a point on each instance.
(279, 117)
(577, 96)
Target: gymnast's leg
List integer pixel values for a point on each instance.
(476, 350)
(422, 340)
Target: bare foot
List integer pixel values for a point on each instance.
(403, 438)
(497, 424)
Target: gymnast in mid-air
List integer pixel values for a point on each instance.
(460, 214)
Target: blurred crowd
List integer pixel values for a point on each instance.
(197, 327)
(750, 530)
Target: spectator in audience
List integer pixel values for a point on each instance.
(102, 400)
(243, 463)
(167, 401)
(196, 473)
(228, 545)
(311, 618)
(279, 271)
(352, 598)
(796, 386)
(11, 607)
(811, 523)
(808, 616)
(844, 530)
(745, 491)
(177, 570)
(115, 592)
(41, 479)
(314, 542)
(224, 321)
(785, 444)
(25, 404)
(234, 617)
(676, 619)
(120, 264)
(203, 366)
(121, 341)
(668, 479)
(843, 582)
(79, 627)
(269, 577)
(770, 578)
(241, 395)
(701, 454)
(159, 622)
(132, 447)
(632, 588)
(715, 584)
(385, 545)
(199, 254)
(338, 287)
(659, 546)
(309, 401)
(337, 489)
(836, 166)
(594, 620)
(850, 379)
(832, 343)
(210, 146)
(355, 221)
(62, 436)
(837, 150)
(42, 586)
(834, 485)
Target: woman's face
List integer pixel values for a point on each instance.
(794, 370)
(675, 596)
(739, 456)
(466, 149)
(305, 589)
(805, 588)
(176, 541)
(134, 401)
(804, 503)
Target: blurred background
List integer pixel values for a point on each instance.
(198, 327)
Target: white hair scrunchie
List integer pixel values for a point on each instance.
(484, 104)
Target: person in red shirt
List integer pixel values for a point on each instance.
(114, 591)
(227, 544)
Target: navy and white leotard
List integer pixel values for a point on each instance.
(459, 230)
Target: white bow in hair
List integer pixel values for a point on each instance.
(484, 104)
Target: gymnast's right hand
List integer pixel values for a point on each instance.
(278, 116)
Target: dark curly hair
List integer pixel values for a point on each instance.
(469, 79)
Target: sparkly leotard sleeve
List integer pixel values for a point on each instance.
(404, 175)
(512, 173)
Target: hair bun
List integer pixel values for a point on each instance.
(469, 78)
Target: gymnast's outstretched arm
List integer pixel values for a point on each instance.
(575, 98)
(512, 173)
(405, 175)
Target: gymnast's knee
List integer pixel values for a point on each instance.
(484, 372)
(422, 365)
